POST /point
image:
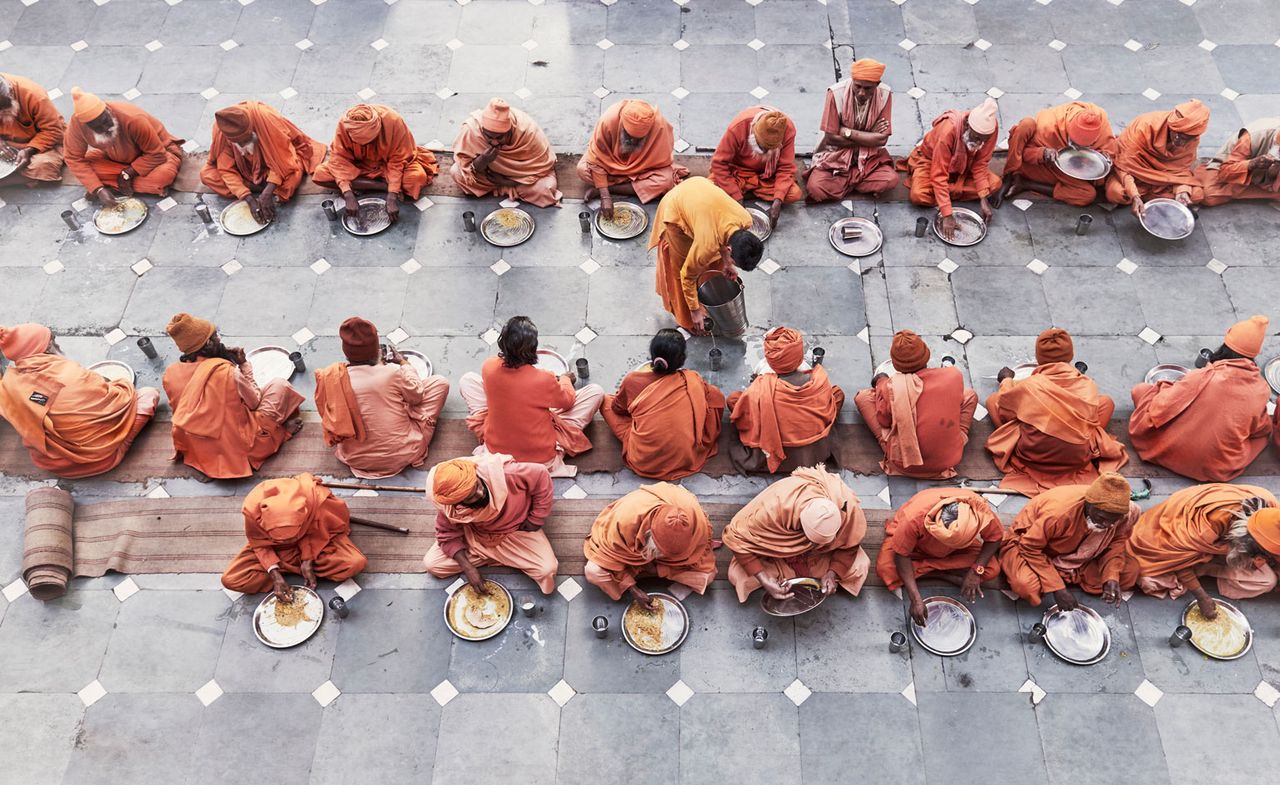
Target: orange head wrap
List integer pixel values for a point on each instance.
(637, 118)
(908, 352)
(820, 521)
(1246, 337)
(1054, 346)
(1084, 128)
(770, 130)
(1264, 527)
(1190, 117)
(233, 122)
(672, 530)
(496, 117)
(1109, 493)
(866, 70)
(86, 107)
(282, 511)
(958, 532)
(363, 123)
(453, 481)
(784, 349)
(985, 117)
(23, 340)
(189, 332)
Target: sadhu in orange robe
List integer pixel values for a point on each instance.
(290, 521)
(525, 157)
(1228, 176)
(838, 172)
(617, 548)
(649, 169)
(669, 425)
(34, 123)
(944, 170)
(741, 167)
(917, 532)
(281, 153)
(140, 141)
(1051, 129)
(373, 141)
(770, 534)
(1148, 167)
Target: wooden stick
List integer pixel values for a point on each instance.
(377, 525)
(355, 486)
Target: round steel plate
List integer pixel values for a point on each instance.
(456, 608)
(7, 168)
(808, 595)
(970, 229)
(127, 215)
(114, 369)
(1271, 372)
(762, 367)
(237, 220)
(271, 362)
(373, 217)
(1023, 371)
(1083, 163)
(629, 220)
(277, 636)
(675, 625)
(551, 360)
(1080, 637)
(420, 362)
(886, 368)
(1206, 645)
(1165, 372)
(950, 629)
(868, 243)
(507, 226)
(760, 225)
(1168, 219)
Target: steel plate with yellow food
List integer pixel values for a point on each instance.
(237, 220)
(473, 616)
(1226, 637)
(657, 630)
(507, 226)
(281, 625)
(629, 220)
(126, 215)
(115, 369)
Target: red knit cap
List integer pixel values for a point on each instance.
(359, 339)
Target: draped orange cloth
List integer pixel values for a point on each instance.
(392, 155)
(1049, 546)
(1050, 429)
(1048, 130)
(941, 415)
(337, 405)
(1147, 165)
(773, 414)
(740, 169)
(282, 155)
(1209, 425)
(838, 172)
(1227, 176)
(140, 141)
(527, 158)
(694, 221)
(672, 427)
(907, 534)
(650, 168)
(943, 170)
(36, 125)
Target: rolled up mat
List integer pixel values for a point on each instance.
(46, 546)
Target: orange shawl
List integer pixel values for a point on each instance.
(141, 142)
(386, 157)
(769, 526)
(527, 158)
(617, 538)
(674, 427)
(212, 428)
(336, 402)
(491, 470)
(1185, 530)
(1145, 156)
(605, 147)
(322, 517)
(37, 124)
(287, 151)
(1051, 132)
(773, 413)
(1050, 534)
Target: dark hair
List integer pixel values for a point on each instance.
(1226, 353)
(518, 342)
(746, 249)
(212, 348)
(666, 351)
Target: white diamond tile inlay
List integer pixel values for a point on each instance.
(158, 492)
(347, 589)
(115, 336)
(769, 266)
(80, 46)
(141, 267)
(500, 267)
(232, 267)
(320, 266)
(54, 94)
(14, 590)
(797, 692)
(759, 92)
(1022, 204)
(380, 44)
(1036, 266)
(884, 496)
(1267, 694)
(982, 44)
(454, 44)
(916, 93)
(962, 336)
(424, 203)
(302, 336)
(681, 45)
(756, 44)
(562, 693)
(444, 93)
(5, 45)
(125, 589)
(1072, 93)
(457, 584)
(569, 588)
(326, 693)
(600, 92)
(209, 93)
(530, 45)
(590, 266)
(1149, 693)
(680, 93)
(524, 93)
(1127, 267)
(1229, 94)
(1149, 335)
(980, 413)
(489, 336)
(604, 43)
(288, 93)
(232, 594)
(574, 492)
(680, 145)
(153, 45)
(166, 204)
(680, 693)
(53, 267)
(1057, 45)
(1208, 45)
(1037, 693)
(397, 336)
(1151, 94)
(228, 45)
(304, 44)
(412, 266)
(585, 335)
(210, 692)
(995, 92)
(366, 93)
(947, 266)
(91, 693)
(909, 692)
(907, 44)
(864, 335)
(131, 94)
(1132, 45)
(1216, 266)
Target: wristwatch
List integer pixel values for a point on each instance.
(846, 132)
(979, 570)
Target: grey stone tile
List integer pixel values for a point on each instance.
(246, 665)
(567, 120)
(901, 246)
(255, 720)
(576, 23)
(485, 23)
(125, 22)
(995, 663)
(1120, 673)
(40, 743)
(258, 68)
(996, 301)
(954, 744)
(31, 238)
(872, 22)
(801, 237)
(110, 69)
(1055, 242)
(480, 67)
(411, 67)
(634, 68)
(921, 300)
(555, 298)
(940, 22)
(85, 300)
(1243, 728)
(1231, 232)
(153, 303)
(714, 68)
(205, 22)
(1213, 312)
(1181, 68)
(719, 24)
(273, 22)
(1266, 643)
(611, 286)
(252, 303)
(442, 242)
(1244, 22)
(138, 738)
(558, 242)
(951, 69)
(1170, 26)
(810, 298)
(1013, 21)
(154, 626)
(86, 249)
(592, 665)
(589, 724)
(1251, 289)
(1134, 755)
(644, 22)
(1148, 251)
(887, 749)
(713, 749)
(571, 68)
(449, 301)
(180, 69)
(718, 656)
(393, 641)
(1241, 67)
(301, 234)
(1085, 301)
(377, 295)
(402, 750)
(1116, 364)
(45, 65)
(1087, 22)
(858, 630)
(1103, 68)
(180, 112)
(528, 656)
(334, 68)
(315, 113)
(528, 749)
(54, 22)
(352, 23)
(426, 22)
(704, 115)
(802, 106)
(1027, 68)
(1183, 669)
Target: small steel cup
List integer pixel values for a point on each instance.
(819, 354)
(948, 361)
(527, 606)
(1081, 366)
(1083, 223)
(69, 217)
(716, 357)
(1036, 633)
(1203, 358)
(468, 221)
(330, 211)
(584, 221)
(922, 226)
(759, 636)
(897, 642)
(583, 367)
(144, 344)
(1181, 634)
(202, 210)
(601, 626)
(298, 364)
(339, 606)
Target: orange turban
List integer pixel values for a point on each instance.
(637, 118)
(985, 117)
(363, 123)
(496, 117)
(453, 481)
(234, 122)
(1190, 117)
(908, 352)
(1084, 128)
(1109, 493)
(189, 332)
(1054, 346)
(1246, 337)
(820, 521)
(770, 129)
(961, 532)
(86, 107)
(866, 70)
(672, 530)
(283, 509)
(1264, 527)
(784, 349)
(23, 340)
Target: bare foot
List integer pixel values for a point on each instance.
(293, 425)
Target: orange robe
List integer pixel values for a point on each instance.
(393, 156)
(1146, 166)
(615, 548)
(905, 535)
(216, 430)
(773, 414)
(1209, 425)
(1181, 539)
(1049, 546)
(671, 428)
(527, 158)
(1051, 429)
(839, 172)
(37, 126)
(324, 538)
(73, 422)
(694, 221)
(140, 141)
(281, 156)
(943, 170)
(767, 536)
(922, 427)
(739, 170)
(522, 415)
(650, 169)
(1048, 129)
(1226, 176)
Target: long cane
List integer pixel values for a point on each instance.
(355, 486)
(377, 525)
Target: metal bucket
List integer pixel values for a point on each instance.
(723, 298)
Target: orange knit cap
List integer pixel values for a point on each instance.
(908, 352)
(784, 349)
(820, 521)
(363, 123)
(233, 122)
(1264, 527)
(866, 70)
(1246, 337)
(1190, 117)
(985, 117)
(1084, 128)
(23, 340)
(453, 481)
(282, 511)
(496, 117)
(86, 107)
(1109, 493)
(672, 530)
(770, 129)
(638, 118)
(1054, 346)
(189, 332)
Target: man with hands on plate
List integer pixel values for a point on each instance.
(1034, 145)
(117, 145)
(953, 163)
(1157, 156)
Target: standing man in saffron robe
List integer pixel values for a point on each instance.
(259, 156)
(1073, 534)
(114, 146)
(297, 526)
(1210, 424)
(491, 510)
(920, 416)
(374, 150)
(1157, 157)
(699, 228)
(953, 162)
(31, 130)
(808, 525)
(1034, 144)
(654, 530)
(74, 422)
(224, 425)
(630, 152)
(785, 416)
(1247, 167)
(857, 121)
(757, 157)
(501, 151)
(1051, 428)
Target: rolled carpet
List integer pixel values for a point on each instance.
(46, 546)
